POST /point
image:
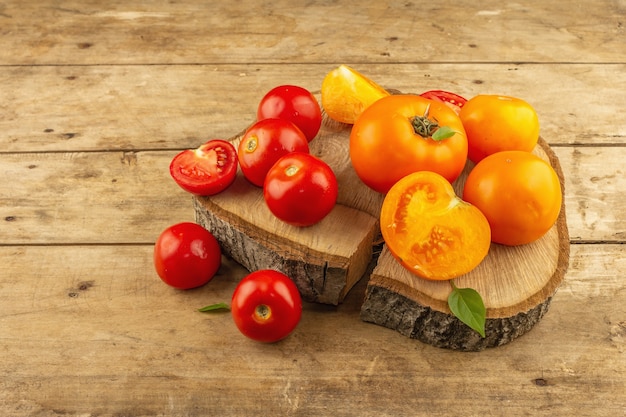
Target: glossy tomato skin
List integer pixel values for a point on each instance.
(452, 100)
(266, 306)
(264, 143)
(498, 123)
(186, 255)
(384, 146)
(431, 231)
(207, 170)
(295, 104)
(519, 193)
(300, 189)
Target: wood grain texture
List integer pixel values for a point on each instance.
(283, 31)
(90, 330)
(88, 87)
(132, 197)
(103, 197)
(176, 107)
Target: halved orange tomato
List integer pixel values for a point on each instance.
(430, 231)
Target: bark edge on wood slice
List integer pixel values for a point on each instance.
(516, 283)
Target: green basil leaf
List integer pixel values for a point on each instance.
(467, 305)
(444, 132)
(214, 307)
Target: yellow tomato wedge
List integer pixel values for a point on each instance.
(346, 93)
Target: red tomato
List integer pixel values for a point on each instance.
(264, 143)
(295, 104)
(300, 189)
(266, 306)
(519, 194)
(186, 255)
(499, 123)
(207, 170)
(399, 135)
(452, 100)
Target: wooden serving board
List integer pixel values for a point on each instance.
(516, 284)
(327, 259)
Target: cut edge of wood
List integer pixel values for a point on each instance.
(320, 277)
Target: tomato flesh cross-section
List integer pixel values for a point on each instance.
(206, 170)
(430, 231)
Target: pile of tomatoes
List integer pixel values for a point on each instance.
(299, 188)
(412, 148)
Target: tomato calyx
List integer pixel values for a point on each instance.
(291, 170)
(251, 144)
(262, 313)
(429, 128)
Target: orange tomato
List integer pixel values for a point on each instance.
(346, 93)
(398, 135)
(498, 123)
(430, 231)
(518, 192)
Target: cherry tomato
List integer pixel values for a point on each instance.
(264, 143)
(498, 123)
(186, 255)
(400, 134)
(207, 170)
(295, 104)
(519, 193)
(266, 306)
(300, 189)
(430, 231)
(452, 100)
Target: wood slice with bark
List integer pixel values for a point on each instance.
(324, 260)
(327, 259)
(516, 284)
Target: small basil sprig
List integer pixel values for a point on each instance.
(467, 305)
(214, 307)
(444, 132)
(429, 128)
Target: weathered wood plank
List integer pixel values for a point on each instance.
(92, 330)
(129, 197)
(174, 107)
(133, 32)
(108, 197)
(594, 184)
(86, 327)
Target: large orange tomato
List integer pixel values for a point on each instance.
(519, 193)
(498, 123)
(430, 231)
(401, 134)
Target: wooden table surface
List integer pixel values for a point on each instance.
(96, 99)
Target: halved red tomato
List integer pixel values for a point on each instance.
(206, 170)
(452, 100)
